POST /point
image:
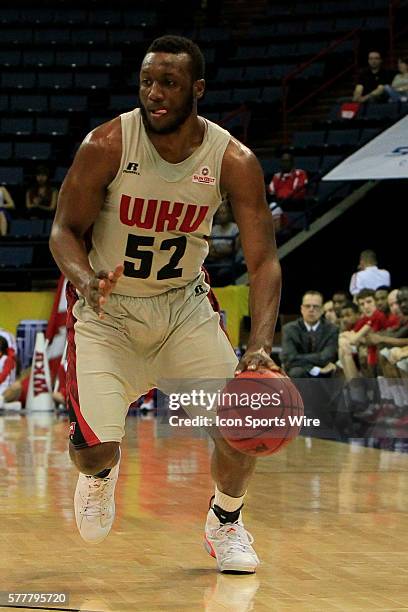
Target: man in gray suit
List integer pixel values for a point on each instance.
(309, 344)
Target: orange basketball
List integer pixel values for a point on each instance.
(260, 412)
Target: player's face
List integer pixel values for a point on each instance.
(311, 308)
(329, 313)
(393, 303)
(338, 302)
(167, 92)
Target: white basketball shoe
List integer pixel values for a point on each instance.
(230, 544)
(94, 504)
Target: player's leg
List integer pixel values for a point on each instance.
(99, 368)
(197, 347)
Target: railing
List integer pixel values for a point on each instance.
(286, 110)
(245, 114)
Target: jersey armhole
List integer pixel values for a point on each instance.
(122, 157)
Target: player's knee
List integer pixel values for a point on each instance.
(96, 458)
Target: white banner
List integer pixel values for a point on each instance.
(384, 157)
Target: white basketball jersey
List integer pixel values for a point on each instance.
(157, 215)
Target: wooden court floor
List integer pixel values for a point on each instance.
(330, 524)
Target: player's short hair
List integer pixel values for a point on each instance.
(383, 288)
(365, 293)
(180, 44)
(350, 306)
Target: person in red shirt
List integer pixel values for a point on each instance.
(7, 365)
(288, 187)
(372, 320)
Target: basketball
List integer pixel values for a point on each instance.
(260, 412)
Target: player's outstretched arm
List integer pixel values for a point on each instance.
(80, 200)
(243, 180)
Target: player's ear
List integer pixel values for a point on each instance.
(199, 88)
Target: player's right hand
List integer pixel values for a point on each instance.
(100, 287)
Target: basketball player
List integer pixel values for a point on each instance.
(130, 235)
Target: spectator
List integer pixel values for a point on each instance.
(395, 313)
(349, 315)
(371, 81)
(369, 276)
(372, 320)
(329, 313)
(398, 336)
(41, 199)
(398, 90)
(309, 344)
(288, 187)
(381, 299)
(7, 366)
(6, 204)
(340, 298)
(223, 247)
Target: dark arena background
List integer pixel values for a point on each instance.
(329, 511)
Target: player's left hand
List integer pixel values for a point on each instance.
(253, 360)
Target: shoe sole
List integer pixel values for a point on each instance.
(230, 568)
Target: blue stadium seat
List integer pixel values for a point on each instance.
(26, 227)
(17, 36)
(281, 50)
(314, 138)
(70, 16)
(96, 121)
(230, 73)
(60, 174)
(105, 58)
(134, 17)
(261, 31)
(68, 103)
(257, 73)
(346, 24)
(36, 57)
(92, 80)
(314, 70)
(311, 47)
(368, 134)
(271, 94)
(4, 103)
(32, 150)
(17, 125)
(213, 33)
(217, 97)
(15, 257)
(377, 23)
(247, 52)
(291, 27)
(125, 36)
(52, 126)
(35, 103)
(55, 80)
(281, 70)
(270, 166)
(11, 175)
(309, 163)
(72, 58)
(6, 150)
(341, 138)
(88, 37)
(123, 102)
(319, 26)
(382, 111)
(242, 95)
(37, 15)
(9, 15)
(105, 17)
(209, 55)
(18, 80)
(9, 57)
(329, 162)
(60, 36)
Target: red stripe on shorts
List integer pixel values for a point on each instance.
(89, 438)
